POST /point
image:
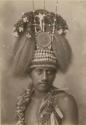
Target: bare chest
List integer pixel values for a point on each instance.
(32, 112)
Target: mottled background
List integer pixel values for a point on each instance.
(74, 81)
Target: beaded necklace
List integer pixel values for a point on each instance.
(45, 110)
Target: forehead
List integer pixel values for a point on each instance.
(44, 68)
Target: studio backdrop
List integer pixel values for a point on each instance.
(74, 81)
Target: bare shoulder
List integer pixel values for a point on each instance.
(68, 106)
(64, 98)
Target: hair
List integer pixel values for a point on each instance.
(24, 49)
(63, 52)
(22, 55)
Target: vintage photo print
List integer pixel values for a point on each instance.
(43, 62)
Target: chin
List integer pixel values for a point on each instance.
(43, 89)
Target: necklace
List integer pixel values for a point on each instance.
(46, 108)
(22, 103)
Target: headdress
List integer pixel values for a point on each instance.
(41, 41)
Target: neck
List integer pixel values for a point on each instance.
(39, 94)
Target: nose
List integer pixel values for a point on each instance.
(44, 76)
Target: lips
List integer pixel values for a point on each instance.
(45, 83)
(43, 86)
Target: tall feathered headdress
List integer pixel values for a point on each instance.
(41, 38)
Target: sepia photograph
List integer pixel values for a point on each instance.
(43, 62)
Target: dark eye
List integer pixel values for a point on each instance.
(50, 72)
(39, 71)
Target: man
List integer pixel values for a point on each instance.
(40, 52)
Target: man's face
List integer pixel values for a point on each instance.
(43, 78)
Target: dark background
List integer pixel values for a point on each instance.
(74, 81)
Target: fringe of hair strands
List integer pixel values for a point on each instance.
(22, 55)
(62, 51)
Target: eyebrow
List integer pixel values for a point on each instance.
(50, 69)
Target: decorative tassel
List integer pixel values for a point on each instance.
(53, 119)
(62, 51)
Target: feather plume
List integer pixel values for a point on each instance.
(62, 51)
